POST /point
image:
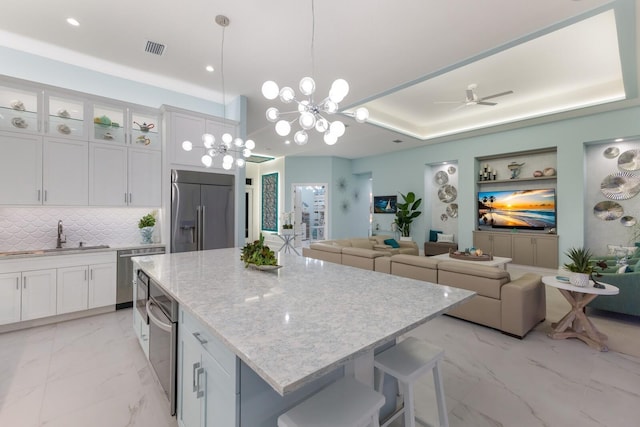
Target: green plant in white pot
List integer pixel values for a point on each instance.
(146, 226)
(406, 213)
(581, 266)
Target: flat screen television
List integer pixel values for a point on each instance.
(522, 209)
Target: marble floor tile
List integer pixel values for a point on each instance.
(92, 372)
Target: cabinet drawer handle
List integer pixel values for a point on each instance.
(199, 338)
(17, 283)
(39, 195)
(199, 372)
(195, 376)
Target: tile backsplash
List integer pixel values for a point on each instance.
(24, 228)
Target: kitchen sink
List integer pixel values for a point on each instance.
(53, 251)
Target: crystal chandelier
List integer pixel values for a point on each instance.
(232, 150)
(310, 113)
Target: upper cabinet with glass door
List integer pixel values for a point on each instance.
(144, 129)
(20, 109)
(65, 117)
(109, 123)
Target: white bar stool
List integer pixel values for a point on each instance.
(407, 361)
(345, 403)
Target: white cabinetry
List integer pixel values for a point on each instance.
(64, 172)
(38, 294)
(10, 297)
(207, 381)
(27, 295)
(86, 286)
(187, 127)
(20, 169)
(42, 286)
(121, 176)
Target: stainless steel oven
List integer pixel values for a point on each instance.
(142, 294)
(163, 339)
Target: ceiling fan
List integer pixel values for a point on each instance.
(472, 98)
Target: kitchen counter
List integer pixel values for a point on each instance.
(300, 322)
(30, 253)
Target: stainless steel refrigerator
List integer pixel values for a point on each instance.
(202, 211)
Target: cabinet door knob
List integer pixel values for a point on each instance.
(199, 338)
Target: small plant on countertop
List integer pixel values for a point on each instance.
(147, 221)
(257, 253)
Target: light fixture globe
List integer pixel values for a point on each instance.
(330, 107)
(330, 139)
(227, 166)
(270, 89)
(240, 162)
(361, 115)
(273, 114)
(207, 160)
(337, 128)
(339, 90)
(287, 95)
(246, 152)
(301, 137)
(322, 125)
(283, 128)
(250, 144)
(307, 120)
(238, 142)
(208, 140)
(187, 145)
(307, 86)
(228, 158)
(227, 138)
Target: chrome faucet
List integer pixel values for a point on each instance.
(61, 237)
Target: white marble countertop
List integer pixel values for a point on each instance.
(302, 321)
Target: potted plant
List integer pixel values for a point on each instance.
(581, 266)
(146, 225)
(257, 253)
(287, 227)
(406, 213)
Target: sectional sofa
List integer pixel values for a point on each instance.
(511, 306)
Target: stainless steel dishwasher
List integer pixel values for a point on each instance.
(124, 289)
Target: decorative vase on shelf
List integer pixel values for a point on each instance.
(147, 234)
(579, 279)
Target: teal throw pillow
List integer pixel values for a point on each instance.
(433, 235)
(392, 243)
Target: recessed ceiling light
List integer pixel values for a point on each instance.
(72, 21)
(287, 142)
(619, 140)
(209, 68)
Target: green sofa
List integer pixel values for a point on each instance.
(628, 300)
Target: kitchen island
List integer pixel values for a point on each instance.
(299, 324)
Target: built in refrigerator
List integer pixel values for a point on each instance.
(202, 211)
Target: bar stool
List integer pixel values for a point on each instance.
(407, 361)
(345, 403)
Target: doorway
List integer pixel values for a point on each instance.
(311, 212)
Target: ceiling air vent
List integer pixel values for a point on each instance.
(154, 48)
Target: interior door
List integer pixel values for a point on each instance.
(185, 198)
(219, 221)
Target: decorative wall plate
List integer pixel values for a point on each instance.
(611, 152)
(452, 210)
(629, 160)
(447, 193)
(451, 170)
(628, 221)
(444, 217)
(608, 210)
(441, 178)
(63, 113)
(620, 186)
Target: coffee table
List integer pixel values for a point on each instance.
(576, 324)
(495, 262)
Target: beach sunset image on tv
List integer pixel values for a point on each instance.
(533, 209)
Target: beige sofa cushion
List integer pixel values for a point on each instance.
(362, 243)
(326, 247)
(418, 261)
(485, 281)
(362, 252)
